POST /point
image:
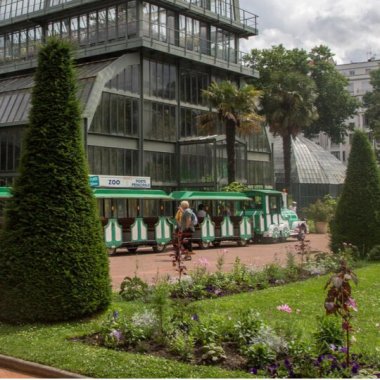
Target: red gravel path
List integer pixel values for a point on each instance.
(148, 265)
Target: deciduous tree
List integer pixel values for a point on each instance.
(334, 103)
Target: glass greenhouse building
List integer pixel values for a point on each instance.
(315, 172)
(142, 66)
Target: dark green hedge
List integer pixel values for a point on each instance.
(357, 218)
(53, 261)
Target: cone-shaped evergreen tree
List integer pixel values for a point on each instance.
(357, 218)
(53, 261)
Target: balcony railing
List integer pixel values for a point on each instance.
(10, 9)
(86, 39)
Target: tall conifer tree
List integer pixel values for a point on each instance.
(357, 218)
(53, 262)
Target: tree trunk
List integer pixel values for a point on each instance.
(230, 142)
(287, 150)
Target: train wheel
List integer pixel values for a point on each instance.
(204, 244)
(216, 243)
(111, 251)
(159, 248)
(242, 242)
(132, 249)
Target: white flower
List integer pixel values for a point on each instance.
(145, 319)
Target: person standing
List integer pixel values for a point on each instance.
(187, 226)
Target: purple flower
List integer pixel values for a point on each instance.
(117, 334)
(355, 368)
(272, 369)
(115, 314)
(343, 349)
(195, 317)
(285, 308)
(253, 371)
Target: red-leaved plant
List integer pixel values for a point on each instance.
(339, 301)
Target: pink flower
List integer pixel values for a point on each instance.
(352, 304)
(285, 308)
(203, 262)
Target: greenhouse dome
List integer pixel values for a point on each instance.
(315, 172)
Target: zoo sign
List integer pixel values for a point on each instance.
(119, 181)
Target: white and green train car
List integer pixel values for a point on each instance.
(271, 219)
(221, 222)
(134, 218)
(131, 218)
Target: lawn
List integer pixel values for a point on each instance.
(51, 344)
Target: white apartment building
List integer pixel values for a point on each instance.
(358, 74)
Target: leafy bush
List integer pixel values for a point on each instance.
(259, 355)
(246, 328)
(182, 345)
(329, 335)
(321, 210)
(213, 353)
(206, 333)
(133, 288)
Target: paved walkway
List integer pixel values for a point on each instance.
(149, 266)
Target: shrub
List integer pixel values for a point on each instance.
(259, 355)
(357, 218)
(329, 335)
(133, 288)
(53, 260)
(246, 328)
(321, 210)
(213, 353)
(182, 345)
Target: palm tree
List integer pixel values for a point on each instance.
(237, 109)
(288, 106)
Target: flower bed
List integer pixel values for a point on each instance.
(172, 328)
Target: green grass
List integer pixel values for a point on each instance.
(50, 344)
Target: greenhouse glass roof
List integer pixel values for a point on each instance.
(310, 163)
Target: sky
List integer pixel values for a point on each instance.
(350, 28)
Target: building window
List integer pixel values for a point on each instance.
(192, 83)
(159, 121)
(159, 79)
(127, 80)
(190, 121)
(160, 166)
(112, 161)
(116, 115)
(196, 164)
(259, 173)
(10, 143)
